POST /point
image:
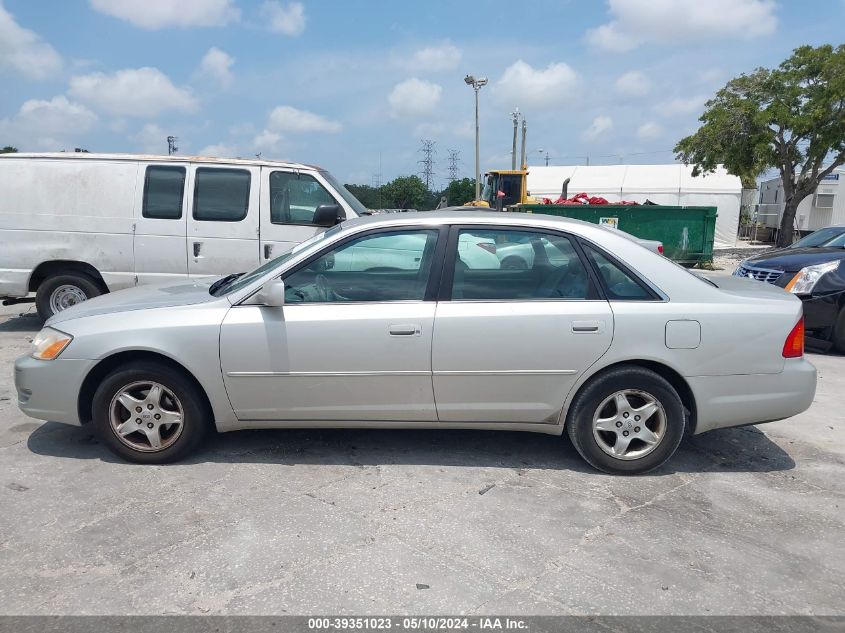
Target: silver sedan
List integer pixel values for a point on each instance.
(381, 323)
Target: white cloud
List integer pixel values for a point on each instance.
(24, 51)
(131, 92)
(414, 98)
(152, 139)
(217, 66)
(294, 120)
(267, 141)
(285, 19)
(681, 106)
(635, 22)
(219, 150)
(711, 75)
(600, 125)
(445, 56)
(521, 84)
(160, 14)
(649, 131)
(633, 83)
(52, 124)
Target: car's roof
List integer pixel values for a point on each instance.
(467, 215)
(176, 158)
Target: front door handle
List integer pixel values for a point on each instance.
(405, 329)
(197, 248)
(268, 250)
(587, 326)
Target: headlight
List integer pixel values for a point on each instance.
(805, 279)
(49, 343)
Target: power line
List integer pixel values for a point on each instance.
(428, 150)
(454, 159)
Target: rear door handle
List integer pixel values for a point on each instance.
(197, 248)
(405, 329)
(583, 327)
(268, 250)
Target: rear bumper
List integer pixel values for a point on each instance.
(49, 390)
(724, 401)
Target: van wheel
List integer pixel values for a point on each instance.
(839, 332)
(627, 421)
(60, 292)
(149, 413)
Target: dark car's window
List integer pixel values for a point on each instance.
(831, 236)
(295, 197)
(385, 266)
(502, 264)
(619, 284)
(164, 188)
(221, 195)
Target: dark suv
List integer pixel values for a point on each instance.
(812, 269)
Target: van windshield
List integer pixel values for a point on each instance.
(233, 283)
(351, 200)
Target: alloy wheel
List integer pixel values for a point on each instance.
(629, 424)
(146, 416)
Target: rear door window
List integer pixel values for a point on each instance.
(619, 284)
(164, 189)
(221, 195)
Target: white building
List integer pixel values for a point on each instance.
(823, 208)
(662, 184)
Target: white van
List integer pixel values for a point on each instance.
(73, 226)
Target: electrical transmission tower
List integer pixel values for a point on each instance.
(428, 150)
(171, 145)
(454, 159)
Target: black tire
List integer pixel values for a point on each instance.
(635, 380)
(84, 284)
(195, 413)
(839, 332)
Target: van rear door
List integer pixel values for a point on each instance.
(289, 198)
(223, 223)
(160, 222)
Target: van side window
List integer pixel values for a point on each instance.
(164, 187)
(295, 197)
(221, 195)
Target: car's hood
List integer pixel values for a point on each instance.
(139, 298)
(794, 259)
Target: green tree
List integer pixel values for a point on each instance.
(460, 191)
(9, 150)
(369, 196)
(404, 192)
(791, 118)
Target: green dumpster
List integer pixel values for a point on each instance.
(686, 232)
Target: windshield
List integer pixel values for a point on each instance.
(236, 283)
(351, 200)
(831, 236)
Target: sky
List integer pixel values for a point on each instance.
(355, 86)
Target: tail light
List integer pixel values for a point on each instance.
(794, 345)
(660, 248)
(490, 248)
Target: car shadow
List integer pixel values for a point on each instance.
(23, 322)
(744, 449)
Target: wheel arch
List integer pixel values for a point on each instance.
(107, 365)
(53, 267)
(672, 376)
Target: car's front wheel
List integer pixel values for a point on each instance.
(149, 413)
(629, 420)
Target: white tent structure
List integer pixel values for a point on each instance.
(662, 184)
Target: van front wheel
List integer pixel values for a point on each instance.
(60, 292)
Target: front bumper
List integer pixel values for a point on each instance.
(49, 389)
(724, 401)
(820, 311)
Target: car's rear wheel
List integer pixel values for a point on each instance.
(839, 332)
(60, 292)
(149, 413)
(629, 420)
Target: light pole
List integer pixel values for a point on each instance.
(476, 85)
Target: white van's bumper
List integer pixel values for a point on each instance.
(724, 401)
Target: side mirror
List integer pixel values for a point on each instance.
(327, 215)
(272, 294)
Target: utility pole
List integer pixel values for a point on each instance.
(454, 159)
(171, 145)
(523, 163)
(515, 117)
(428, 150)
(476, 84)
